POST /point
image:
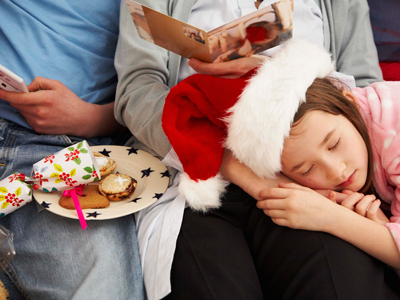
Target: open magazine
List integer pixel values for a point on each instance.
(247, 35)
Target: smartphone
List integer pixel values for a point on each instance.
(11, 82)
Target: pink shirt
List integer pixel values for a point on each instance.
(380, 108)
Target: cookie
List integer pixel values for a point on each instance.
(106, 164)
(117, 186)
(91, 198)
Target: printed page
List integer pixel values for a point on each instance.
(169, 33)
(245, 36)
(252, 33)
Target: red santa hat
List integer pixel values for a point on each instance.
(251, 116)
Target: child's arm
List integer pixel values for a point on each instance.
(299, 207)
(233, 171)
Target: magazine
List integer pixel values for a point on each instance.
(250, 34)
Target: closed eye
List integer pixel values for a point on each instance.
(308, 171)
(335, 146)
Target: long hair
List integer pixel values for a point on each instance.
(326, 95)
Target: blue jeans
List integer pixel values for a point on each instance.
(54, 258)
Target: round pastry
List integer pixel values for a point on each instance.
(106, 164)
(117, 186)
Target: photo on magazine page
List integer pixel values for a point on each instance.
(252, 33)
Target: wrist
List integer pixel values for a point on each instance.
(101, 122)
(336, 217)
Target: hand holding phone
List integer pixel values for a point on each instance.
(11, 82)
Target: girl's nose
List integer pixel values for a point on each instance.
(335, 169)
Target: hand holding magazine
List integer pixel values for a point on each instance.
(255, 32)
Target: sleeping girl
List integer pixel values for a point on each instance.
(289, 117)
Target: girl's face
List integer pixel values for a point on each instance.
(325, 151)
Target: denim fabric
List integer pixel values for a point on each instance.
(54, 258)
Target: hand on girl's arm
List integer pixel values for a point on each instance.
(52, 108)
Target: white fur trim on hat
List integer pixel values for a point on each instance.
(261, 119)
(202, 195)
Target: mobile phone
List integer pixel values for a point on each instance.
(11, 82)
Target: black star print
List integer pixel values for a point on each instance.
(105, 152)
(132, 150)
(93, 214)
(158, 196)
(165, 174)
(146, 172)
(136, 200)
(45, 205)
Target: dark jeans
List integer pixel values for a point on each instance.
(237, 252)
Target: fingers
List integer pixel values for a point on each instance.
(361, 204)
(282, 191)
(292, 185)
(41, 83)
(364, 204)
(229, 69)
(372, 212)
(332, 196)
(275, 214)
(15, 97)
(271, 204)
(352, 200)
(340, 197)
(348, 192)
(222, 69)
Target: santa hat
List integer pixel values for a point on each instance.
(251, 116)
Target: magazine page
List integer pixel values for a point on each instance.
(253, 33)
(245, 36)
(169, 33)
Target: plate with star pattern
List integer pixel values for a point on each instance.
(152, 181)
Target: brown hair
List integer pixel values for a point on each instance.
(326, 95)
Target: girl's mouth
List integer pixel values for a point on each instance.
(349, 181)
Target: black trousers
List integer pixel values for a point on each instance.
(237, 252)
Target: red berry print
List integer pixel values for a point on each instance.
(13, 200)
(49, 158)
(72, 155)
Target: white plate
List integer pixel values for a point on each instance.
(152, 181)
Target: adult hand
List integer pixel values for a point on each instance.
(229, 69)
(297, 207)
(52, 108)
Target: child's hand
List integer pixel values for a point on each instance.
(366, 206)
(334, 196)
(298, 207)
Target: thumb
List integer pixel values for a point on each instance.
(41, 83)
(332, 196)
